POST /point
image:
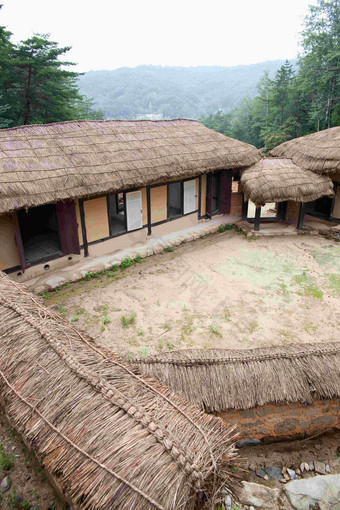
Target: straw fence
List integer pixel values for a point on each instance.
(216, 380)
(42, 164)
(278, 180)
(109, 438)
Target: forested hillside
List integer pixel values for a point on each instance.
(172, 91)
(294, 102)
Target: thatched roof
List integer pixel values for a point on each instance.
(109, 437)
(278, 180)
(319, 152)
(46, 163)
(220, 379)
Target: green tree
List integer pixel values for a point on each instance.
(318, 76)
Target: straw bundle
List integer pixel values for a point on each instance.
(278, 180)
(109, 438)
(219, 379)
(42, 164)
(319, 152)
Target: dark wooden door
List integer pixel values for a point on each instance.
(68, 227)
(225, 193)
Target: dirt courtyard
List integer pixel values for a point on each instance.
(219, 291)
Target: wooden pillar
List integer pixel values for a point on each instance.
(301, 216)
(148, 205)
(257, 219)
(244, 208)
(83, 227)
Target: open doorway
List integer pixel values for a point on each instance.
(117, 213)
(39, 233)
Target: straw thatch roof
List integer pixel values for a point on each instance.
(278, 180)
(220, 379)
(46, 163)
(319, 152)
(109, 438)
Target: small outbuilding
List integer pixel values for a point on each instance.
(73, 189)
(318, 153)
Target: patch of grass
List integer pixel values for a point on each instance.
(140, 332)
(308, 285)
(128, 321)
(143, 352)
(137, 259)
(75, 317)
(126, 263)
(169, 345)
(169, 249)
(6, 461)
(14, 500)
(226, 226)
(167, 326)
(187, 327)
(334, 282)
(309, 327)
(215, 330)
(61, 310)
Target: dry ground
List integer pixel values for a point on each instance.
(220, 291)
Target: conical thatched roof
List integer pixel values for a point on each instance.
(319, 152)
(46, 163)
(110, 439)
(220, 379)
(278, 180)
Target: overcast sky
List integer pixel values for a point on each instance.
(106, 34)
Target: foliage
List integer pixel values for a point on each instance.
(295, 102)
(127, 321)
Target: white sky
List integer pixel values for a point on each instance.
(106, 34)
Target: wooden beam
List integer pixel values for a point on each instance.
(257, 219)
(148, 204)
(301, 216)
(83, 227)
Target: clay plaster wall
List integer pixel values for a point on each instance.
(279, 422)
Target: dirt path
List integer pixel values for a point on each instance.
(220, 291)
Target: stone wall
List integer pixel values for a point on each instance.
(236, 204)
(281, 422)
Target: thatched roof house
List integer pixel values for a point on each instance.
(47, 163)
(280, 180)
(68, 190)
(319, 152)
(219, 379)
(108, 437)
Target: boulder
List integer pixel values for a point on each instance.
(258, 495)
(305, 494)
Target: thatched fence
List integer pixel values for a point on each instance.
(108, 437)
(216, 380)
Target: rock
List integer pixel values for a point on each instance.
(284, 470)
(258, 495)
(5, 484)
(311, 466)
(320, 467)
(251, 508)
(262, 474)
(282, 480)
(228, 502)
(292, 474)
(274, 472)
(328, 469)
(247, 442)
(302, 467)
(286, 477)
(306, 466)
(305, 494)
(298, 472)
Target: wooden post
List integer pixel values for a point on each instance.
(257, 219)
(148, 202)
(83, 227)
(301, 216)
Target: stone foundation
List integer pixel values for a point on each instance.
(283, 422)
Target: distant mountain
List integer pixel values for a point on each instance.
(174, 92)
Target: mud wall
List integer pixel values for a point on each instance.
(282, 422)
